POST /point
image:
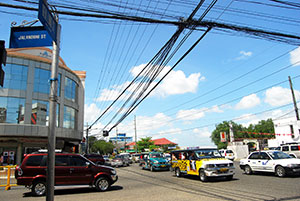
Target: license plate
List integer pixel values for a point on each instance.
(163, 166)
(223, 169)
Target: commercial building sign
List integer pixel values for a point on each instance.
(223, 136)
(29, 37)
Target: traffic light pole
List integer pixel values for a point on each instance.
(52, 118)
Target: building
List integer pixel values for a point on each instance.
(24, 103)
(287, 130)
(161, 142)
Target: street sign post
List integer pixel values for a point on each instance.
(47, 19)
(29, 37)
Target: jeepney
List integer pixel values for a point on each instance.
(205, 163)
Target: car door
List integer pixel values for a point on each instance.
(62, 170)
(253, 161)
(80, 172)
(264, 163)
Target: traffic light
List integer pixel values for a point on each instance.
(105, 133)
(2, 60)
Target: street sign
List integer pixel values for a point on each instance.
(223, 136)
(47, 19)
(29, 37)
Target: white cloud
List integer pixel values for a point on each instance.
(188, 115)
(295, 57)
(244, 55)
(277, 96)
(202, 133)
(216, 109)
(248, 102)
(91, 112)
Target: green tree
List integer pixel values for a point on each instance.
(102, 147)
(144, 143)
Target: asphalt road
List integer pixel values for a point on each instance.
(137, 184)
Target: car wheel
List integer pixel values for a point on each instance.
(248, 170)
(228, 178)
(177, 172)
(202, 176)
(151, 168)
(39, 188)
(280, 171)
(102, 184)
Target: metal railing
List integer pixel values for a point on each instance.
(7, 174)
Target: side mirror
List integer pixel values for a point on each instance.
(88, 164)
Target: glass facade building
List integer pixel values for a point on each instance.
(24, 103)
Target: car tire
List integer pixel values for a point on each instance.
(202, 176)
(248, 170)
(280, 171)
(102, 184)
(229, 178)
(151, 168)
(177, 172)
(39, 188)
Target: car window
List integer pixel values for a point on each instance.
(229, 151)
(285, 148)
(254, 156)
(264, 156)
(77, 161)
(295, 148)
(61, 160)
(34, 160)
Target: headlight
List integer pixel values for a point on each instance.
(210, 166)
(155, 162)
(292, 165)
(113, 171)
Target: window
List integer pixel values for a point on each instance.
(15, 77)
(70, 116)
(295, 148)
(70, 90)
(41, 81)
(40, 113)
(12, 110)
(254, 156)
(285, 148)
(78, 161)
(61, 160)
(264, 156)
(34, 160)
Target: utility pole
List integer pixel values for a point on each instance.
(294, 99)
(135, 134)
(87, 139)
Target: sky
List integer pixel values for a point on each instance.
(227, 76)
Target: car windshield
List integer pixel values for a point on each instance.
(279, 155)
(156, 155)
(208, 153)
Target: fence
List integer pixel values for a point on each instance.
(7, 177)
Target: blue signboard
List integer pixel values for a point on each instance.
(47, 19)
(29, 37)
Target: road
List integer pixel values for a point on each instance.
(137, 184)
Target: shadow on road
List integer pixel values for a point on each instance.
(73, 191)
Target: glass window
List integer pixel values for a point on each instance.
(40, 113)
(264, 156)
(15, 77)
(12, 110)
(61, 160)
(254, 156)
(78, 161)
(41, 81)
(70, 90)
(70, 115)
(285, 148)
(295, 148)
(34, 160)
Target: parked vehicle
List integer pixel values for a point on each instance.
(120, 160)
(96, 158)
(292, 149)
(204, 163)
(106, 160)
(227, 153)
(155, 161)
(128, 156)
(136, 157)
(274, 161)
(70, 169)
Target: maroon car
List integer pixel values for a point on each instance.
(96, 158)
(70, 169)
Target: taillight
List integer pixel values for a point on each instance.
(20, 171)
(225, 154)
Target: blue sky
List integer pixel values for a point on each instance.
(228, 76)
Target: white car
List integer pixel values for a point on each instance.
(227, 153)
(270, 161)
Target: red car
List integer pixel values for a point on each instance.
(96, 158)
(70, 169)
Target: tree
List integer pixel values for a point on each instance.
(102, 147)
(144, 143)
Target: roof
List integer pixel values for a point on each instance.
(161, 141)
